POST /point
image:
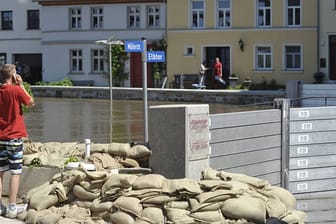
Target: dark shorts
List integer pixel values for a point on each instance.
(11, 154)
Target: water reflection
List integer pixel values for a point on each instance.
(67, 119)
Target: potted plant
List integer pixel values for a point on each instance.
(247, 82)
(233, 79)
(319, 76)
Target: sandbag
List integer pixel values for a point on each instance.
(256, 182)
(118, 180)
(210, 174)
(121, 218)
(129, 204)
(177, 204)
(295, 217)
(208, 217)
(217, 196)
(45, 198)
(212, 185)
(83, 194)
(153, 215)
(284, 195)
(188, 187)
(50, 218)
(143, 193)
(148, 181)
(250, 208)
(98, 206)
(179, 216)
(138, 152)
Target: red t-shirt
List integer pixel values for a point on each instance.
(218, 69)
(11, 116)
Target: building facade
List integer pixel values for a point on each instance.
(70, 30)
(261, 39)
(20, 37)
(327, 39)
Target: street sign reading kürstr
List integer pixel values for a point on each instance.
(134, 46)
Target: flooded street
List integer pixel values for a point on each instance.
(69, 119)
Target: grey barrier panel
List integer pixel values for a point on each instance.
(312, 154)
(247, 142)
(312, 166)
(179, 140)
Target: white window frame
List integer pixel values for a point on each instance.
(97, 17)
(267, 22)
(226, 14)
(75, 18)
(98, 60)
(293, 9)
(293, 55)
(198, 14)
(76, 61)
(134, 13)
(153, 14)
(264, 56)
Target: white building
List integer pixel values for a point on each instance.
(70, 29)
(20, 36)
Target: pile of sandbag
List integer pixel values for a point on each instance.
(103, 156)
(79, 196)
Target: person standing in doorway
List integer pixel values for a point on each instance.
(218, 76)
(12, 129)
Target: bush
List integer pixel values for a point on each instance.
(64, 82)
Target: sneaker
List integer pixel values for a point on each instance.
(2, 210)
(13, 212)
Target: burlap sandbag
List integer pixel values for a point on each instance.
(121, 218)
(32, 191)
(138, 152)
(129, 163)
(118, 180)
(179, 216)
(129, 204)
(83, 194)
(149, 181)
(284, 195)
(83, 204)
(99, 206)
(217, 196)
(69, 178)
(178, 204)
(47, 197)
(153, 215)
(143, 193)
(104, 161)
(256, 182)
(50, 218)
(158, 199)
(245, 207)
(275, 208)
(188, 187)
(208, 217)
(118, 149)
(210, 174)
(295, 217)
(212, 185)
(195, 206)
(32, 216)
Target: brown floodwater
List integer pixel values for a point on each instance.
(69, 119)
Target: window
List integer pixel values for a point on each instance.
(263, 58)
(7, 20)
(33, 19)
(293, 57)
(224, 13)
(98, 60)
(153, 16)
(293, 12)
(197, 13)
(76, 58)
(134, 17)
(264, 13)
(3, 58)
(97, 18)
(75, 18)
(188, 51)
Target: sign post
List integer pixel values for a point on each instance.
(150, 56)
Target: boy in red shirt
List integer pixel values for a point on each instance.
(12, 129)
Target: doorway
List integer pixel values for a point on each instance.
(332, 57)
(223, 53)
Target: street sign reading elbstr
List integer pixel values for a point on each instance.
(155, 56)
(134, 46)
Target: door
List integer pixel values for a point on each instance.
(223, 53)
(332, 57)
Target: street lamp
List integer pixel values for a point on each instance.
(109, 43)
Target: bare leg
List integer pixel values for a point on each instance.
(1, 180)
(13, 188)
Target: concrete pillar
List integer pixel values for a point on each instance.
(179, 140)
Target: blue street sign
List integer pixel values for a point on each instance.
(134, 46)
(155, 56)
